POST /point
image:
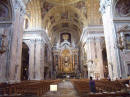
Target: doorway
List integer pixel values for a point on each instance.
(105, 63)
(25, 62)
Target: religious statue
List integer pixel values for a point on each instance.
(2, 43)
(66, 59)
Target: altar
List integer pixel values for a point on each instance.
(66, 57)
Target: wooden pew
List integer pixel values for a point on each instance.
(29, 87)
(109, 95)
(110, 86)
(3, 88)
(82, 86)
(36, 88)
(11, 96)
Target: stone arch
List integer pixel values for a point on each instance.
(26, 22)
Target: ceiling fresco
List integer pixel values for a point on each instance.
(64, 16)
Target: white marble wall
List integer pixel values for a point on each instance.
(10, 61)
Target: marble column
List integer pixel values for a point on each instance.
(110, 39)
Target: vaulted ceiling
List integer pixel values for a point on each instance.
(63, 15)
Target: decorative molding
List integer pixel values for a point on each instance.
(91, 30)
(103, 5)
(40, 33)
(121, 19)
(94, 38)
(5, 22)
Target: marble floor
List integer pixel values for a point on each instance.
(65, 89)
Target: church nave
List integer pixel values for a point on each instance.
(86, 43)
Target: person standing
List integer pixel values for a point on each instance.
(92, 85)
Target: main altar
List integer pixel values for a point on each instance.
(66, 59)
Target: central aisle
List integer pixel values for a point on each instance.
(65, 89)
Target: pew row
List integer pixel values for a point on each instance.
(112, 88)
(123, 94)
(27, 87)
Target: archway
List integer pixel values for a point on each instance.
(105, 63)
(25, 62)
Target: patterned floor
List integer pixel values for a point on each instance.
(65, 89)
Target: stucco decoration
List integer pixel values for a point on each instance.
(81, 5)
(46, 7)
(123, 7)
(64, 17)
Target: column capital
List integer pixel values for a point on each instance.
(20, 5)
(103, 5)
